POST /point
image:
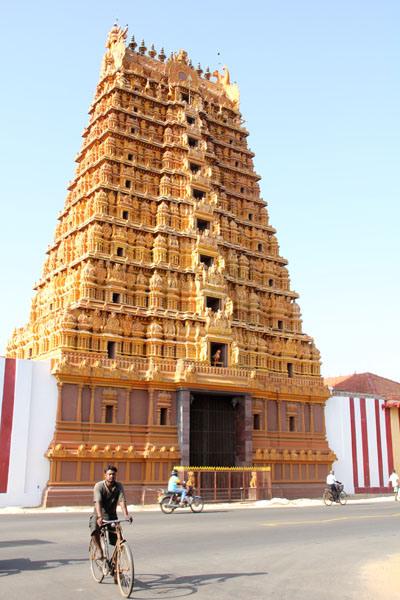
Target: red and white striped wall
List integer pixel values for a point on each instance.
(359, 433)
(28, 401)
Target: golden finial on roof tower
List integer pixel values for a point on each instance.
(133, 43)
(142, 48)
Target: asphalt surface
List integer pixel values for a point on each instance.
(322, 553)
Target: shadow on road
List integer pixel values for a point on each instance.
(152, 585)
(18, 565)
(183, 511)
(11, 543)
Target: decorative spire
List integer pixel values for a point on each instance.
(190, 63)
(142, 48)
(162, 55)
(207, 74)
(133, 44)
(199, 70)
(152, 51)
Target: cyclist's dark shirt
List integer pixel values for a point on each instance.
(109, 497)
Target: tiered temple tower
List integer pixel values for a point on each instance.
(164, 292)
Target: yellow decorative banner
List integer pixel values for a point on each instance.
(183, 468)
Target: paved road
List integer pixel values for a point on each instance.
(314, 553)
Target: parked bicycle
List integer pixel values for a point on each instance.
(118, 559)
(341, 496)
(169, 501)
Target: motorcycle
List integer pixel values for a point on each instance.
(169, 501)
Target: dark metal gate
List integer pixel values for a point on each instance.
(212, 431)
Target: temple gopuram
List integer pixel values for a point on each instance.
(164, 304)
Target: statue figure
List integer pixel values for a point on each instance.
(126, 325)
(203, 355)
(112, 324)
(225, 78)
(156, 281)
(84, 320)
(234, 353)
(228, 307)
(97, 321)
(138, 328)
(154, 330)
(169, 328)
(217, 358)
(253, 480)
(182, 57)
(115, 49)
(88, 272)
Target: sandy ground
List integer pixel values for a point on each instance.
(381, 579)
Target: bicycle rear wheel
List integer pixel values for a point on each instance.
(167, 505)
(343, 498)
(96, 564)
(327, 498)
(125, 570)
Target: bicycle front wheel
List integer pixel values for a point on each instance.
(197, 504)
(96, 564)
(125, 570)
(343, 498)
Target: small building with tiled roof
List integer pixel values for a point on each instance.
(363, 429)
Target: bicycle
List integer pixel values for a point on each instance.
(329, 499)
(397, 493)
(119, 564)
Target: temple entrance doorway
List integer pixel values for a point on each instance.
(214, 435)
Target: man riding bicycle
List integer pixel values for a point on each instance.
(107, 494)
(174, 486)
(334, 485)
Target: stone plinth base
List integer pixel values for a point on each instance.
(83, 496)
(297, 490)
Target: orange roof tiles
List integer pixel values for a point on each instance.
(365, 383)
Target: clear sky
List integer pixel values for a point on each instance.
(320, 92)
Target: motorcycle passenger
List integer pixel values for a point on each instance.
(190, 484)
(334, 484)
(174, 486)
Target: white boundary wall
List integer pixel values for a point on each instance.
(338, 431)
(33, 423)
(362, 463)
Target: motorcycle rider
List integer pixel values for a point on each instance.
(175, 486)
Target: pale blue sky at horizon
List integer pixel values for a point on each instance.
(320, 93)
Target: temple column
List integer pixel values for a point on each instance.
(91, 412)
(323, 419)
(59, 400)
(279, 408)
(183, 424)
(150, 416)
(127, 407)
(265, 415)
(78, 416)
(248, 430)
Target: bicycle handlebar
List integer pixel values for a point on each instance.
(115, 521)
